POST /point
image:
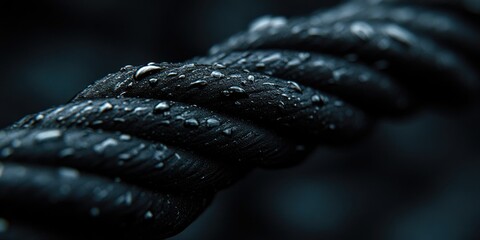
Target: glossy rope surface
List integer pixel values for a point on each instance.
(141, 153)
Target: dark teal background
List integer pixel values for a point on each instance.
(415, 179)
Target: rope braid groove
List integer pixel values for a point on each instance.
(141, 152)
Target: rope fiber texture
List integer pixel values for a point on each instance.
(141, 153)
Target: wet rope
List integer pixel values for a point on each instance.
(140, 153)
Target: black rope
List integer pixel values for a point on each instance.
(141, 152)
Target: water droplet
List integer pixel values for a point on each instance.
(146, 70)
(165, 122)
(251, 78)
(125, 137)
(190, 65)
(260, 65)
(119, 120)
(316, 99)
(159, 165)
(124, 156)
(235, 91)
(267, 22)
(228, 131)
(318, 63)
(271, 58)
(139, 109)
(198, 83)
(399, 34)
(315, 31)
(191, 122)
(304, 56)
(68, 172)
(219, 66)
(109, 142)
(362, 30)
(148, 215)
(126, 68)
(105, 107)
(48, 135)
(39, 117)
(94, 212)
(161, 107)
(217, 74)
(212, 122)
(295, 86)
(337, 74)
(153, 81)
(294, 62)
(128, 198)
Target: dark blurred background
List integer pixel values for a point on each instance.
(416, 178)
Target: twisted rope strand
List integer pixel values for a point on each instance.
(141, 152)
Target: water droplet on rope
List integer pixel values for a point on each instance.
(128, 198)
(148, 215)
(161, 107)
(105, 107)
(48, 135)
(260, 65)
(39, 117)
(126, 68)
(295, 86)
(399, 34)
(191, 122)
(235, 91)
(362, 30)
(68, 172)
(273, 57)
(125, 137)
(217, 74)
(219, 66)
(109, 142)
(153, 81)
(159, 165)
(267, 22)
(146, 70)
(212, 122)
(228, 131)
(198, 83)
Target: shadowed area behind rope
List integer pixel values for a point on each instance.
(140, 153)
